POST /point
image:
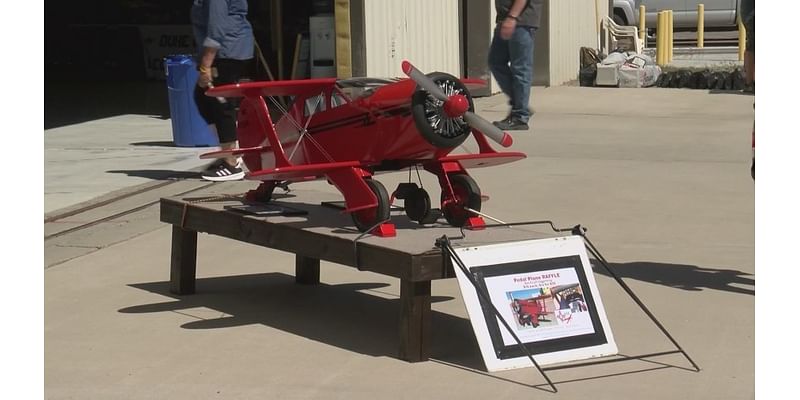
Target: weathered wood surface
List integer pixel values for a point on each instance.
(328, 234)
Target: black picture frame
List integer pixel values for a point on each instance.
(503, 351)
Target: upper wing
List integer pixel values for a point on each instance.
(272, 88)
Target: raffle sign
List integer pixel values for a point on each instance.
(544, 289)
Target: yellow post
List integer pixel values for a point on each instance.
(642, 31)
(670, 38)
(661, 43)
(701, 24)
(742, 37)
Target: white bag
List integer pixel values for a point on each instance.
(634, 76)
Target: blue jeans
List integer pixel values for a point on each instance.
(511, 63)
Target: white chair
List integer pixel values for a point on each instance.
(612, 34)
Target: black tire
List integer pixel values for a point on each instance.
(467, 194)
(418, 205)
(425, 108)
(366, 219)
(619, 19)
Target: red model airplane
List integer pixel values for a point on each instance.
(393, 124)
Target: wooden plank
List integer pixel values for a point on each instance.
(291, 238)
(415, 320)
(306, 270)
(183, 265)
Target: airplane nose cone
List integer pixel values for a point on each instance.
(456, 106)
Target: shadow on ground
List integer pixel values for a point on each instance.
(164, 143)
(69, 102)
(347, 316)
(354, 317)
(158, 174)
(685, 277)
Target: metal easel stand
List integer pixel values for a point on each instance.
(592, 249)
(444, 243)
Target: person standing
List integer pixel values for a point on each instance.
(748, 13)
(511, 56)
(225, 43)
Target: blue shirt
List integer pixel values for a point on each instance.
(223, 25)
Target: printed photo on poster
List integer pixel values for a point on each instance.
(546, 303)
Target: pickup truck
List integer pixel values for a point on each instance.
(719, 14)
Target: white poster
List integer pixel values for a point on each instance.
(545, 290)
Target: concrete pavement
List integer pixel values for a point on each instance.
(659, 176)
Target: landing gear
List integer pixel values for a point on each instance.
(467, 194)
(369, 217)
(418, 205)
(263, 193)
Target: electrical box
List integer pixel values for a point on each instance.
(323, 46)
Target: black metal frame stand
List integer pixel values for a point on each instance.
(446, 246)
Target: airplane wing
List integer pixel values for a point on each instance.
(272, 88)
(299, 171)
(235, 152)
(481, 160)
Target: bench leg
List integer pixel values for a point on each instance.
(415, 320)
(183, 265)
(306, 270)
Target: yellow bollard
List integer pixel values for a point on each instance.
(642, 31)
(661, 36)
(670, 37)
(658, 38)
(742, 38)
(701, 24)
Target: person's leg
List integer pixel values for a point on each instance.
(521, 56)
(220, 114)
(498, 63)
(228, 71)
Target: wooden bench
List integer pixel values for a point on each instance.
(327, 234)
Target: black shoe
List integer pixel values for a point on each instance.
(511, 124)
(223, 172)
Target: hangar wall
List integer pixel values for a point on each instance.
(567, 25)
(425, 32)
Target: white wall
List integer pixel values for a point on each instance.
(572, 24)
(425, 32)
(566, 26)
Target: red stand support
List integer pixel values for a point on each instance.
(251, 195)
(384, 230)
(475, 223)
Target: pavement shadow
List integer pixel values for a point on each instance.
(161, 143)
(159, 174)
(735, 92)
(685, 277)
(69, 102)
(346, 316)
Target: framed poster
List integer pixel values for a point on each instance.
(545, 290)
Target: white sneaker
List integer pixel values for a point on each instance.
(223, 172)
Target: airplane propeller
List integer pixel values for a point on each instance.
(456, 105)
